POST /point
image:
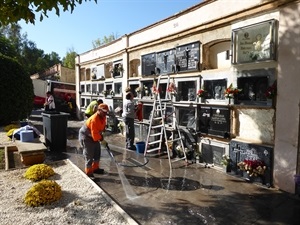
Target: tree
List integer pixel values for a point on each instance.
(106, 39)
(6, 48)
(13, 11)
(16, 90)
(69, 60)
(17, 46)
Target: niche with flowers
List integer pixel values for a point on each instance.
(257, 86)
(252, 162)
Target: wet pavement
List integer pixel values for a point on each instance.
(152, 193)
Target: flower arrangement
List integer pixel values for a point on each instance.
(138, 89)
(271, 91)
(172, 88)
(154, 89)
(117, 68)
(252, 167)
(121, 126)
(200, 93)
(231, 91)
(225, 161)
(178, 148)
(146, 90)
(120, 68)
(104, 92)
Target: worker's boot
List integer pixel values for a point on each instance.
(89, 172)
(96, 168)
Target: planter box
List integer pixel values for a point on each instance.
(32, 158)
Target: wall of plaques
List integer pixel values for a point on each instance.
(180, 59)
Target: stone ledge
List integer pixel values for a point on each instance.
(35, 146)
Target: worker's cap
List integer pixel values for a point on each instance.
(99, 100)
(103, 107)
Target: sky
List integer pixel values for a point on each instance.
(90, 21)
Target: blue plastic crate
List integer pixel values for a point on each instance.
(26, 136)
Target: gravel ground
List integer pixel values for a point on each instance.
(82, 202)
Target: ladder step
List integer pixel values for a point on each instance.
(157, 126)
(170, 128)
(176, 139)
(154, 142)
(152, 149)
(155, 135)
(178, 159)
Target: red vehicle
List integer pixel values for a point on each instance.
(64, 94)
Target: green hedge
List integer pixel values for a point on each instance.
(16, 91)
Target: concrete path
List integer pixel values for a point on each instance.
(151, 193)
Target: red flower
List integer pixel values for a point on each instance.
(230, 92)
(253, 167)
(271, 91)
(171, 88)
(200, 93)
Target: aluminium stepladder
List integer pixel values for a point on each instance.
(158, 127)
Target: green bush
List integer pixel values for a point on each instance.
(16, 91)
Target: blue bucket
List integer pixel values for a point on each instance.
(140, 147)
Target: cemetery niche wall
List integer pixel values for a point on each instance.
(254, 156)
(180, 59)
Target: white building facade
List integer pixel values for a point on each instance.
(248, 45)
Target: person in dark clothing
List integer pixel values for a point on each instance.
(128, 118)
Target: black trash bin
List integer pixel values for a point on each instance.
(55, 130)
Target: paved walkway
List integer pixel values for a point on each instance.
(151, 193)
